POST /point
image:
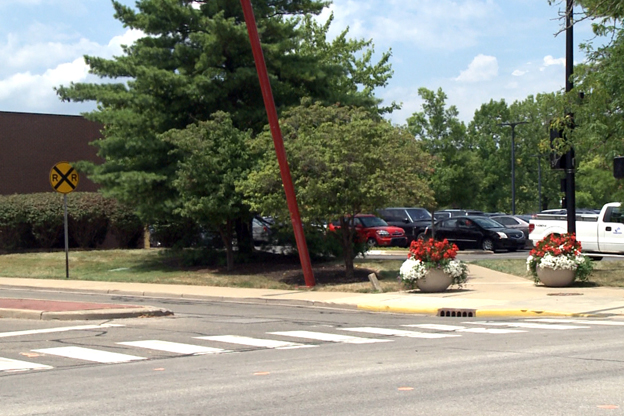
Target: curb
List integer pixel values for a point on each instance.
(86, 315)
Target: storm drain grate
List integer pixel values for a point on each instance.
(457, 313)
(564, 294)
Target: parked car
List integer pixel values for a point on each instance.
(515, 222)
(375, 231)
(448, 213)
(477, 231)
(413, 221)
(261, 229)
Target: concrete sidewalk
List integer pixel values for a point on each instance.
(487, 294)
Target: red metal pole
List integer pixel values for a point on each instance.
(269, 104)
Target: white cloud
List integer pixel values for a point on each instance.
(36, 91)
(422, 24)
(20, 53)
(62, 64)
(518, 73)
(468, 99)
(114, 46)
(549, 60)
(482, 68)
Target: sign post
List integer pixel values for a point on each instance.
(64, 179)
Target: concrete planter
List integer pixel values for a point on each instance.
(435, 281)
(555, 278)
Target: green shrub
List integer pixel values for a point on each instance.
(321, 244)
(44, 213)
(124, 224)
(87, 218)
(34, 221)
(15, 232)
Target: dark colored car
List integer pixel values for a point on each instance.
(414, 221)
(375, 231)
(478, 231)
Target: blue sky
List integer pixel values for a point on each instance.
(475, 50)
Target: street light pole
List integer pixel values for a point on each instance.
(570, 162)
(513, 162)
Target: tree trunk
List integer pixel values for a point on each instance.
(226, 237)
(244, 236)
(347, 247)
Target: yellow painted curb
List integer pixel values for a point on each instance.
(528, 312)
(477, 312)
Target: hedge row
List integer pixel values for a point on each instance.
(36, 221)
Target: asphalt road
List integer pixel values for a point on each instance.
(442, 366)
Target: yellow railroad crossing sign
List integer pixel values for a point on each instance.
(63, 178)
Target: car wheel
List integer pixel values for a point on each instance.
(513, 249)
(487, 244)
(422, 237)
(371, 242)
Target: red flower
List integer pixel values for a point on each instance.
(562, 245)
(432, 251)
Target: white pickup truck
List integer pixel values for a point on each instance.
(598, 233)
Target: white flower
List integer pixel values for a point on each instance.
(528, 263)
(412, 270)
(455, 268)
(558, 262)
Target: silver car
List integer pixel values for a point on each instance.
(511, 221)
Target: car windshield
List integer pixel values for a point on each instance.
(372, 222)
(487, 223)
(419, 214)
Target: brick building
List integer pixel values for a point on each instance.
(31, 144)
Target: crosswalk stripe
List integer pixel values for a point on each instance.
(7, 364)
(322, 336)
(399, 332)
(175, 347)
(464, 329)
(578, 321)
(437, 327)
(256, 342)
(528, 325)
(59, 329)
(89, 354)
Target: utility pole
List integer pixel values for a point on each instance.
(513, 162)
(278, 141)
(569, 156)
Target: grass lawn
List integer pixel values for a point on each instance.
(167, 267)
(265, 270)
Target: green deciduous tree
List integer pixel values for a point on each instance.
(344, 161)
(457, 174)
(212, 158)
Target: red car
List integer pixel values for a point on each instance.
(375, 231)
